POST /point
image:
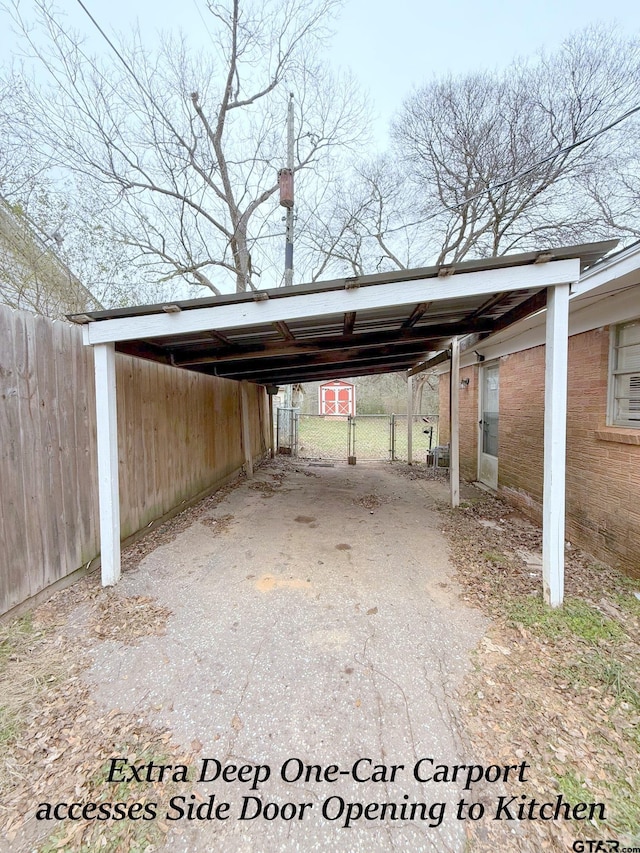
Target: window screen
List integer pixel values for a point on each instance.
(625, 376)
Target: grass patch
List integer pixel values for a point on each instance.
(9, 728)
(25, 671)
(15, 637)
(573, 787)
(134, 836)
(628, 602)
(496, 558)
(107, 843)
(623, 807)
(568, 693)
(575, 617)
(596, 669)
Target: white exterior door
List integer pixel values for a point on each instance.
(488, 425)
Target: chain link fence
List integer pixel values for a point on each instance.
(287, 431)
(365, 437)
(424, 437)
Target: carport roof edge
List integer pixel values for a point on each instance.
(345, 327)
(588, 253)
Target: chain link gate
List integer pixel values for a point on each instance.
(370, 438)
(323, 437)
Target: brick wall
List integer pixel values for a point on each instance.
(468, 420)
(520, 436)
(603, 463)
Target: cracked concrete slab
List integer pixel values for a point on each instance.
(314, 617)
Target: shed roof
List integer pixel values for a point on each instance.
(345, 327)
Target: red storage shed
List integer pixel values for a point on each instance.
(337, 398)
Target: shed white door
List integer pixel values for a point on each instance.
(489, 417)
(337, 400)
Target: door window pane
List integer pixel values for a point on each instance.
(490, 397)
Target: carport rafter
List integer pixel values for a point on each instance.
(418, 312)
(322, 347)
(340, 372)
(279, 373)
(348, 323)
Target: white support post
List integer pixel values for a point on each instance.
(108, 482)
(271, 436)
(454, 419)
(555, 441)
(246, 431)
(410, 420)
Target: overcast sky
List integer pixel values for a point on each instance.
(391, 45)
(392, 52)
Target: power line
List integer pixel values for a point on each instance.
(490, 188)
(204, 23)
(126, 64)
(143, 89)
(524, 172)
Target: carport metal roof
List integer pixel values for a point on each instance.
(350, 327)
(346, 327)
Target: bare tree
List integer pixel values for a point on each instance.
(615, 191)
(478, 146)
(362, 224)
(33, 276)
(56, 252)
(187, 146)
(20, 168)
(491, 163)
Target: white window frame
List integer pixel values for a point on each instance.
(612, 419)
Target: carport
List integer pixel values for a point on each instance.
(352, 327)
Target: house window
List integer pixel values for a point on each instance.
(624, 380)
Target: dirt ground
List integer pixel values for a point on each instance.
(312, 617)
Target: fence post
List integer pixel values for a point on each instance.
(246, 429)
(392, 437)
(295, 430)
(351, 441)
(410, 420)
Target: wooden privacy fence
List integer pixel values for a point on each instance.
(179, 435)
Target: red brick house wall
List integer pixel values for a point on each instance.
(603, 463)
(468, 420)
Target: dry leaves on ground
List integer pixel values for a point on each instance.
(369, 501)
(558, 688)
(56, 741)
(127, 619)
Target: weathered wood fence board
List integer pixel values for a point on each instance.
(179, 434)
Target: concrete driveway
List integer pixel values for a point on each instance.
(314, 623)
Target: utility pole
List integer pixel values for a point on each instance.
(288, 248)
(285, 179)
